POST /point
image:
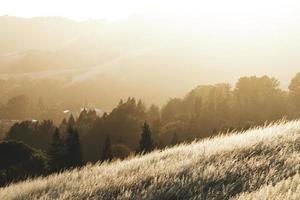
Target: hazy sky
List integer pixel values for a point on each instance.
(118, 9)
(226, 33)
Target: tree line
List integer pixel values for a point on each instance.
(19, 160)
(203, 112)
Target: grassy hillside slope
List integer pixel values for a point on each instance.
(286, 189)
(260, 164)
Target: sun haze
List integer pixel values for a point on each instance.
(118, 9)
(208, 89)
(193, 39)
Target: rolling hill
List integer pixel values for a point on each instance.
(135, 45)
(262, 163)
(148, 59)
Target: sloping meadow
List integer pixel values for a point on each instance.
(286, 189)
(234, 166)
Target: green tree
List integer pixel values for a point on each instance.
(74, 157)
(63, 127)
(56, 153)
(146, 142)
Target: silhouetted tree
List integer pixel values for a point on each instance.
(106, 152)
(63, 127)
(74, 157)
(19, 161)
(146, 142)
(86, 120)
(57, 153)
(203, 112)
(35, 134)
(71, 121)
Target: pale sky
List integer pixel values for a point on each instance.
(118, 9)
(248, 33)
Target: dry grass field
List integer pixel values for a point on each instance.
(262, 163)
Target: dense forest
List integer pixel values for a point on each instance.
(132, 127)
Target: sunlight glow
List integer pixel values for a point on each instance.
(118, 9)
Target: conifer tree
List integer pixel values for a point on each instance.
(106, 152)
(56, 152)
(74, 157)
(71, 121)
(146, 142)
(63, 127)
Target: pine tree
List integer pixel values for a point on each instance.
(63, 127)
(146, 142)
(56, 152)
(74, 157)
(83, 115)
(71, 121)
(106, 152)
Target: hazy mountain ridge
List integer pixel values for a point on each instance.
(218, 168)
(181, 46)
(148, 59)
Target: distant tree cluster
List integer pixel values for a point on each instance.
(22, 108)
(26, 98)
(19, 161)
(131, 127)
(34, 133)
(209, 109)
(65, 153)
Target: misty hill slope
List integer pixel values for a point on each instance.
(135, 45)
(260, 164)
